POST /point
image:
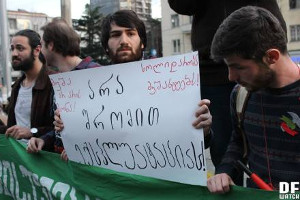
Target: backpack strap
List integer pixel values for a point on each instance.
(241, 102)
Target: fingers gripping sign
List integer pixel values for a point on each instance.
(203, 116)
(58, 123)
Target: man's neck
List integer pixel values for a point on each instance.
(31, 75)
(287, 72)
(68, 63)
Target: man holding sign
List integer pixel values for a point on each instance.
(124, 38)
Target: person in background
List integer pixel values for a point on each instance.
(29, 110)
(253, 44)
(61, 48)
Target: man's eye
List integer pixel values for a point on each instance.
(131, 33)
(114, 35)
(20, 48)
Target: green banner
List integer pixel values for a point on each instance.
(45, 176)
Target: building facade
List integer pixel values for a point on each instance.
(290, 10)
(21, 19)
(176, 31)
(141, 7)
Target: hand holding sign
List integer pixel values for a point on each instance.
(136, 117)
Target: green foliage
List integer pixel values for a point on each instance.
(89, 28)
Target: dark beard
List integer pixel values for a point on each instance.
(25, 65)
(115, 59)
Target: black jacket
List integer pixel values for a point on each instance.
(41, 113)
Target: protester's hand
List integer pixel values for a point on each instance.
(18, 132)
(64, 155)
(219, 183)
(58, 123)
(203, 117)
(35, 145)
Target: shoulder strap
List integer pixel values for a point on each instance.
(241, 101)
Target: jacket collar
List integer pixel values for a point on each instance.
(40, 82)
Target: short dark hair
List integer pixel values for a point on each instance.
(248, 33)
(65, 40)
(123, 18)
(34, 40)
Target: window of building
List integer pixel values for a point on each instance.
(175, 20)
(36, 27)
(191, 19)
(12, 23)
(176, 46)
(294, 4)
(295, 33)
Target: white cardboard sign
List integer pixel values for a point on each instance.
(135, 117)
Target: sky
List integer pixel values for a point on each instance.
(52, 7)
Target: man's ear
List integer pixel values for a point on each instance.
(37, 50)
(50, 46)
(142, 46)
(272, 56)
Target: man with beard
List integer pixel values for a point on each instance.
(253, 44)
(29, 111)
(123, 37)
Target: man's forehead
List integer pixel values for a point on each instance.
(114, 27)
(19, 40)
(235, 61)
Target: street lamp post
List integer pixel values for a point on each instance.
(66, 11)
(5, 61)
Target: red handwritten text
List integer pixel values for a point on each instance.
(60, 82)
(67, 107)
(174, 85)
(170, 66)
(73, 94)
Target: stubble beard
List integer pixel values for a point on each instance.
(263, 80)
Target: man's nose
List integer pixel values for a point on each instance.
(14, 53)
(124, 39)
